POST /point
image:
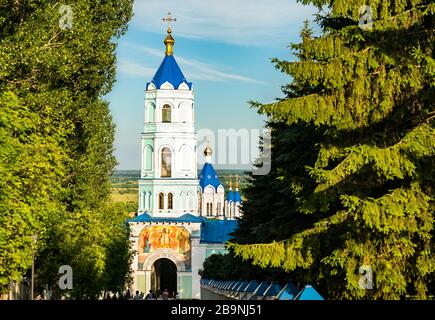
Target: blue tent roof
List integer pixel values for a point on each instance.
(169, 71)
(242, 286)
(145, 217)
(217, 231)
(261, 288)
(251, 286)
(273, 290)
(235, 286)
(237, 197)
(288, 292)
(308, 293)
(230, 196)
(208, 176)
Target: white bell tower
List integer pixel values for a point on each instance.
(168, 186)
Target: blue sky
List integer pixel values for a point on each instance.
(224, 47)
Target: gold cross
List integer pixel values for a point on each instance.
(169, 19)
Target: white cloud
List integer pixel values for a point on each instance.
(133, 69)
(247, 22)
(194, 69)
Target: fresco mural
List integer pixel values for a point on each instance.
(164, 237)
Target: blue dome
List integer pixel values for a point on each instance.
(237, 197)
(208, 177)
(169, 71)
(230, 196)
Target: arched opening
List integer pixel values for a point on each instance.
(166, 113)
(164, 276)
(200, 203)
(209, 209)
(166, 163)
(161, 201)
(170, 201)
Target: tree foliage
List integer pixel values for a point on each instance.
(358, 187)
(56, 134)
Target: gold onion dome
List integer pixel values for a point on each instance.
(208, 152)
(169, 43)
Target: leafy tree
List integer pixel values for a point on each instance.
(56, 135)
(369, 93)
(95, 244)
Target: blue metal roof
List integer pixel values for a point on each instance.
(251, 286)
(169, 71)
(208, 176)
(288, 292)
(217, 231)
(242, 286)
(235, 286)
(261, 288)
(230, 196)
(212, 231)
(308, 293)
(145, 217)
(273, 290)
(237, 197)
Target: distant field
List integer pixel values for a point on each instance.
(124, 183)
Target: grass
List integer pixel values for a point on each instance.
(125, 184)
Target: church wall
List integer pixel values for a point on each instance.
(185, 196)
(140, 279)
(198, 256)
(185, 285)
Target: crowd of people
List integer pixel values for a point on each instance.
(166, 295)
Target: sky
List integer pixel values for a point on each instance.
(223, 46)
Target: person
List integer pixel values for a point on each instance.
(150, 296)
(165, 294)
(137, 296)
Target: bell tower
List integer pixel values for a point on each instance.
(168, 186)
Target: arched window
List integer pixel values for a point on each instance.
(166, 163)
(200, 202)
(170, 201)
(166, 113)
(161, 201)
(218, 210)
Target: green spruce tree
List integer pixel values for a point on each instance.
(56, 138)
(369, 92)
